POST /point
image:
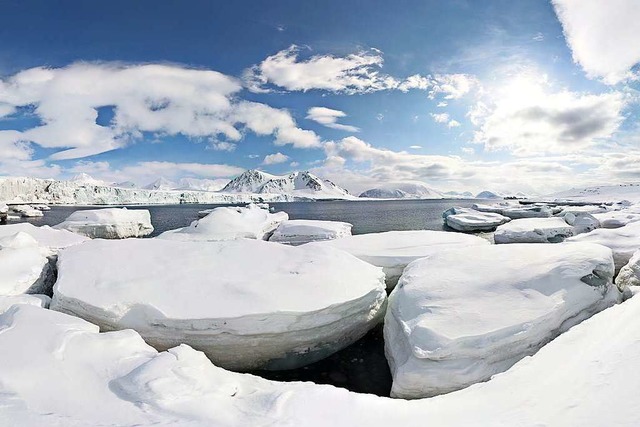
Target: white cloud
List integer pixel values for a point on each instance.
(329, 118)
(143, 173)
(538, 37)
(442, 104)
(294, 164)
(453, 124)
(468, 150)
(452, 86)
(275, 158)
(162, 99)
(355, 73)
(222, 146)
(603, 35)
(440, 117)
(526, 117)
(415, 147)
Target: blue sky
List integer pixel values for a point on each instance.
(460, 95)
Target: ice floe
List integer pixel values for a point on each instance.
(460, 316)
(630, 274)
(109, 223)
(8, 301)
(52, 239)
(230, 223)
(464, 219)
(24, 266)
(393, 250)
(300, 231)
(246, 303)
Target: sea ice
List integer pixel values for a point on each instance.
(246, 303)
(300, 231)
(230, 223)
(24, 267)
(623, 241)
(630, 274)
(8, 301)
(457, 317)
(53, 240)
(463, 219)
(109, 223)
(393, 250)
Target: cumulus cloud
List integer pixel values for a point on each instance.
(145, 172)
(526, 118)
(329, 118)
(275, 158)
(603, 36)
(160, 99)
(444, 118)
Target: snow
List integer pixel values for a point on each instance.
(623, 241)
(393, 250)
(581, 222)
(300, 184)
(109, 223)
(617, 219)
(600, 194)
(3, 208)
(530, 211)
(590, 209)
(488, 195)
(52, 239)
(462, 219)
(300, 231)
(534, 230)
(86, 179)
(8, 301)
(34, 190)
(246, 303)
(495, 208)
(27, 211)
(114, 378)
(630, 274)
(460, 316)
(24, 267)
(230, 223)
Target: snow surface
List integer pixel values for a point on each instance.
(617, 219)
(458, 317)
(24, 267)
(300, 231)
(393, 250)
(488, 195)
(114, 378)
(53, 240)
(534, 230)
(109, 223)
(530, 211)
(600, 194)
(245, 303)
(8, 301)
(27, 211)
(630, 274)
(623, 241)
(230, 223)
(463, 219)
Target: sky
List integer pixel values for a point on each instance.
(530, 96)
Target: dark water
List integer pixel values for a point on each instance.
(361, 367)
(366, 217)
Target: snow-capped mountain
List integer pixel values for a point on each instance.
(599, 194)
(459, 194)
(303, 184)
(160, 184)
(201, 184)
(403, 190)
(489, 195)
(86, 179)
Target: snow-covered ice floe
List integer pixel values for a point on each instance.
(464, 219)
(109, 223)
(619, 218)
(8, 301)
(300, 231)
(623, 241)
(247, 304)
(114, 378)
(24, 266)
(27, 211)
(545, 230)
(460, 316)
(52, 239)
(630, 274)
(393, 250)
(530, 211)
(230, 223)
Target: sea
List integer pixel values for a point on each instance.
(366, 216)
(361, 367)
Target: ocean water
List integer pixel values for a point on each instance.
(366, 216)
(361, 367)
